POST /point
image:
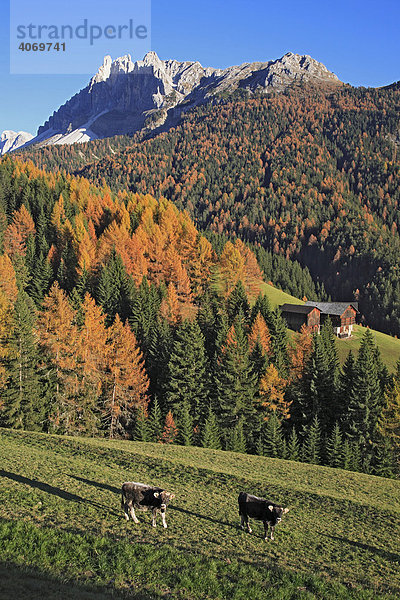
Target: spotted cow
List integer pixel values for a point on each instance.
(139, 496)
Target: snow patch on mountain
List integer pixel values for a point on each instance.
(11, 140)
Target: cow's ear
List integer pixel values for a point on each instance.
(156, 494)
(270, 507)
(286, 510)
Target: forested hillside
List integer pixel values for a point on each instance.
(307, 174)
(117, 318)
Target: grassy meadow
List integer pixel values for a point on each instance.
(63, 534)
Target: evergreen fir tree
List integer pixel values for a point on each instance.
(235, 383)
(41, 275)
(277, 329)
(329, 379)
(259, 360)
(145, 307)
(141, 431)
(346, 389)
(237, 303)
(157, 361)
(385, 461)
(187, 372)
(155, 421)
(114, 289)
(358, 462)
(236, 441)
(185, 425)
(208, 320)
(312, 443)
(293, 446)
(23, 401)
(262, 305)
(347, 456)
(211, 436)
(273, 438)
(260, 448)
(365, 402)
(334, 448)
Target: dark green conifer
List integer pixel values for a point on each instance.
(235, 382)
(273, 438)
(236, 440)
(23, 401)
(187, 372)
(293, 446)
(185, 425)
(155, 421)
(142, 431)
(312, 443)
(365, 402)
(237, 303)
(211, 435)
(334, 448)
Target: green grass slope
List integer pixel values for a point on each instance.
(278, 297)
(61, 522)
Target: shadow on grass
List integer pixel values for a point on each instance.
(54, 491)
(97, 484)
(198, 516)
(386, 554)
(35, 584)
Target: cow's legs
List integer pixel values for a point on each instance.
(154, 511)
(245, 523)
(134, 517)
(126, 509)
(266, 530)
(272, 532)
(163, 519)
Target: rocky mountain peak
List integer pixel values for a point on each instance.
(125, 96)
(11, 140)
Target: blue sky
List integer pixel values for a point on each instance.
(357, 40)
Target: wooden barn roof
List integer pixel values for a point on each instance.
(298, 308)
(333, 308)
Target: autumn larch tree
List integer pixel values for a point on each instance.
(127, 384)
(58, 336)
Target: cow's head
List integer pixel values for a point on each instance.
(277, 513)
(165, 498)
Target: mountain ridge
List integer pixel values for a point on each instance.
(124, 97)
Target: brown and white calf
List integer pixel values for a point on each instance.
(260, 509)
(140, 496)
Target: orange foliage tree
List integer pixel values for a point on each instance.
(92, 351)
(272, 394)
(8, 296)
(170, 431)
(300, 352)
(127, 384)
(18, 231)
(59, 336)
(259, 332)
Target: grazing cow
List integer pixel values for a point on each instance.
(140, 496)
(260, 509)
